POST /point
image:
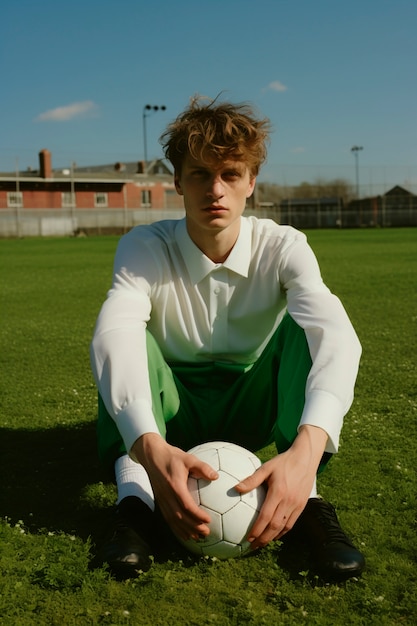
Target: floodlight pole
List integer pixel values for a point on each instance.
(147, 110)
(17, 199)
(355, 151)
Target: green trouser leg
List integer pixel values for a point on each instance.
(251, 405)
(165, 404)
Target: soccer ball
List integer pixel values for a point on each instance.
(232, 514)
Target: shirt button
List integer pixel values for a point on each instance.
(217, 291)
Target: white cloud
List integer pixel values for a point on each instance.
(68, 112)
(276, 85)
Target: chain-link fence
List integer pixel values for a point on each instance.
(55, 222)
(62, 222)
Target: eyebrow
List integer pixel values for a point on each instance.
(231, 165)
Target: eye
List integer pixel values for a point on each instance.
(200, 173)
(231, 174)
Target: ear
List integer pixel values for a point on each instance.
(177, 184)
(251, 187)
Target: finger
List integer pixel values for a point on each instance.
(188, 531)
(263, 521)
(189, 526)
(183, 521)
(200, 469)
(251, 482)
(189, 519)
(272, 519)
(188, 508)
(279, 525)
(182, 514)
(275, 529)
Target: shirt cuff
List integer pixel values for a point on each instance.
(325, 411)
(134, 421)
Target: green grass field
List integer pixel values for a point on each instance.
(55, 501)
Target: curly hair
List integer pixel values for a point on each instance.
(215, 131)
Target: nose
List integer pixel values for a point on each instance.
(215, 191)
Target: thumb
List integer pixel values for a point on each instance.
(251, 482)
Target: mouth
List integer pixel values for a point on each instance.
(215, 209)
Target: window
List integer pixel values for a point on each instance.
(146, 200)
(171, 199)
(100, 200)
(14, 199)
(68, 199)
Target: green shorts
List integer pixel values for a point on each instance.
(250, 405)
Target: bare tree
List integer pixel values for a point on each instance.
(320, 188)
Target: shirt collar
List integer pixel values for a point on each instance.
(199, 265)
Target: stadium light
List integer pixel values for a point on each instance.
(148, 109)
(355, 150)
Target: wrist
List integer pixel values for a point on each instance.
(144, 446)
(310, 444)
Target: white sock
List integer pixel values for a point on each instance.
(313, 493)
(133, 480)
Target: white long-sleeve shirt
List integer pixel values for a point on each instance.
(200, 311)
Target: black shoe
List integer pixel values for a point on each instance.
(128, 550)
(334, 557)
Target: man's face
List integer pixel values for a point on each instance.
(215, 194)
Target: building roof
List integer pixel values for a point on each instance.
(109, 173)
(154, 168)
(325, 201)
(398, 191)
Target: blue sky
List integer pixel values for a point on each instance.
(329, 74)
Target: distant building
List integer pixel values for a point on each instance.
(397, 207)
(118, 186)
(311, 212)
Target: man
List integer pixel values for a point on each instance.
(219, 327)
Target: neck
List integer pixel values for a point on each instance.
(216, 246)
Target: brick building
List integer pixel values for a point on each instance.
(116, 186)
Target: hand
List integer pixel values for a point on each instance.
(168, 468)
(289, 478)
